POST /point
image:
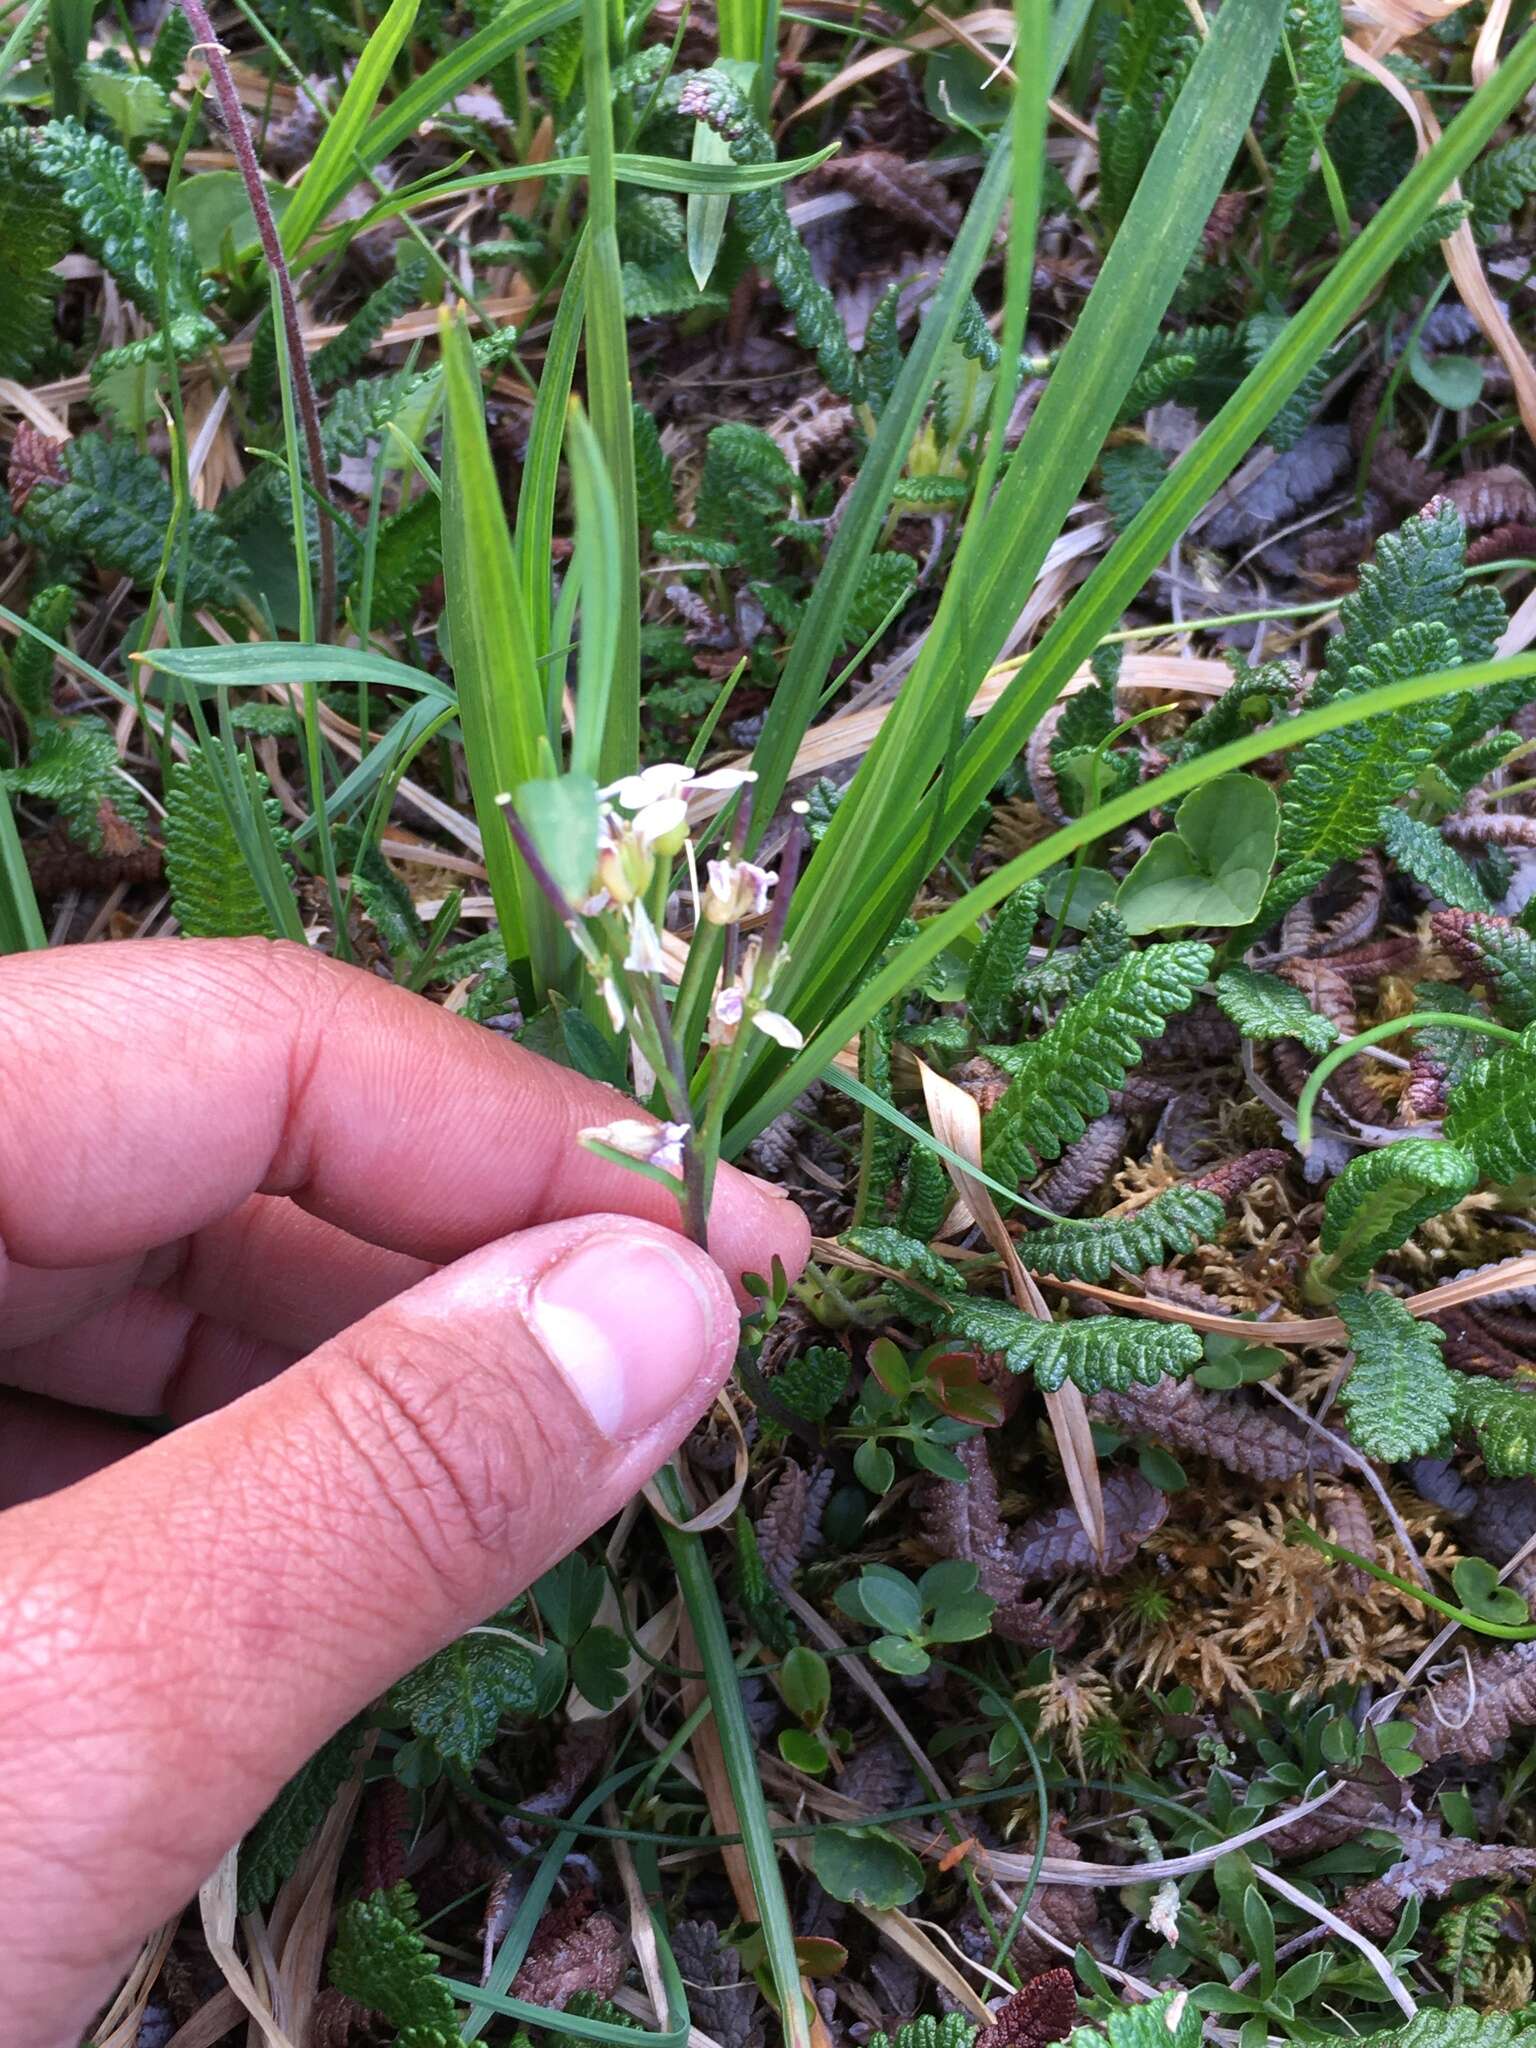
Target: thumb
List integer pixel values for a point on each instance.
(179, 1632)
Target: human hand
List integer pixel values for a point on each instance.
(348, 1243)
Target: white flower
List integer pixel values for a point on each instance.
(657, 1144)
(779, 1029)
(662, 825)
(650, 786)
(736, 889)
(730, 1007)
(671, 781)
(644, 955)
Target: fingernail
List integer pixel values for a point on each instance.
(628, 1324)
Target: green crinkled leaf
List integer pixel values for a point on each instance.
(1501, 1416)
(766, 1613)
(457, 1698)
(1262, 1006)
(1254, 695)
(275, 1844)
(34, 234)
(1499, 184)
(1380, 1198)
(654, 495)
(1415, 579)
(1341, 780)
(342, 355)
(954, 2030)
(1419, 850)
(1063, 1078)
(1152, 2025)
(888, 1247)
(1177, 1220)
(1400, 1396)
(1492, 1112)
(1314, 34)
(1130, 473)
(1152, 50)
(924, 1195)
(713, 97)
(381, 1960)
(1001, 956)
(115, 508)
(1497, 952)
(213, 892)
(408, 556)
(121, 217)
(1099, 1352)
(31, 678)
(1461, 2028)
(72, 763)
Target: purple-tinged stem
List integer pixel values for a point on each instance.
(217, 59)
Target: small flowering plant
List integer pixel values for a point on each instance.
(608, 859)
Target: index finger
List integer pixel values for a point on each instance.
(147, 1088)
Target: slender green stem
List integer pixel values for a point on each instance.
(1299, 1532)
(21, 923)
(702, 1601)
(1452, 1020)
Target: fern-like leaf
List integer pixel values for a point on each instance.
(1492, 1111)
(213, 892)
(777, 250)
(408, 556)
(1341, 780)
(1001, 956)
(1500, 1416)
(882, 1143)
(115, 507)
(275, 1844)
(172, 47)
(1131, 473)
(31, 678)
(1314, 32)
(1098, 1353)
(381, 1961)
(924, 1195)
(72, 764)
(1105, 944)
(121, 219)
(954, 2030)
(905, 1255)
(1151, 51)
(1380, 1198)
(1498, 953)
(1499, 184)
(1417, 578)
(1256, 694)
(1465, 1937)
(1177, 1220)
(34, 234)
(1062, 1079)
(342, 355)
(1400, 1396)
(1262, 1006)
(1420, 851)
(653, 473)
(1461, 2028)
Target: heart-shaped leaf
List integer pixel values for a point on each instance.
(865, 1867)
(1478, 1589)
(1213, 867)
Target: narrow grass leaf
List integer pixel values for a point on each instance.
(331, 172)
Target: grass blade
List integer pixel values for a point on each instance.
(332, 172)
(501, 699)
(1006, 543)
(596, 564)
(21, 923)
(608, 394)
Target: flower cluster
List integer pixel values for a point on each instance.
(617, 848)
